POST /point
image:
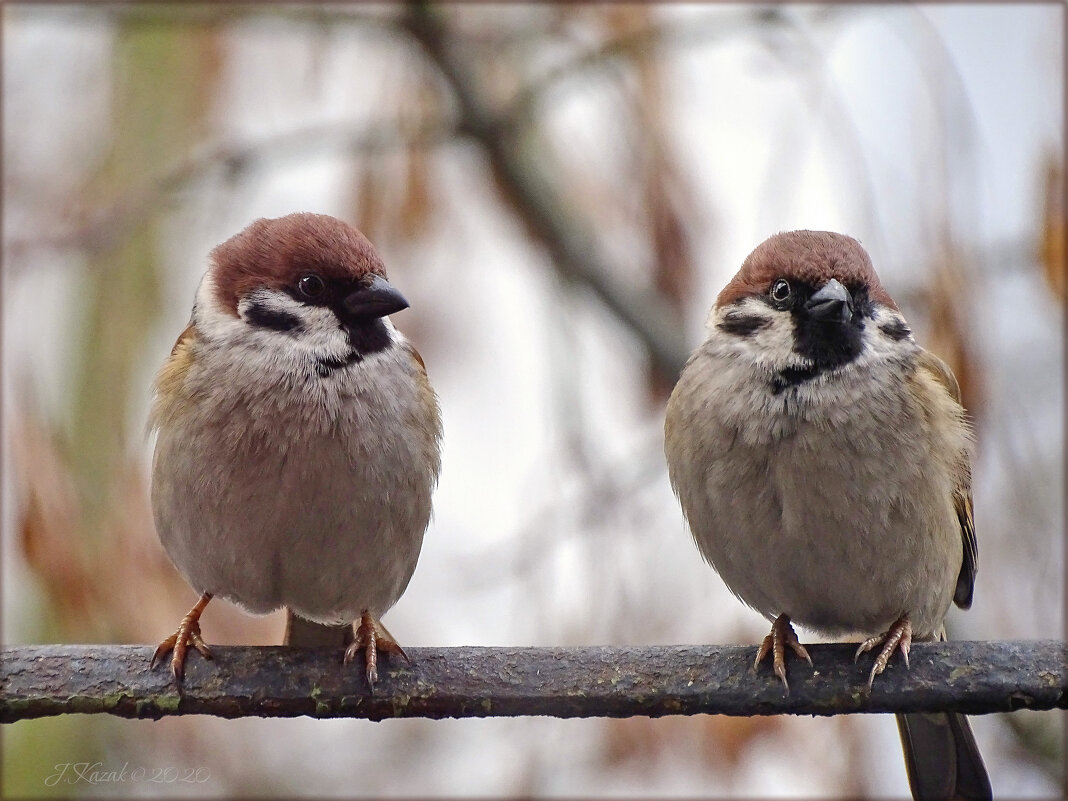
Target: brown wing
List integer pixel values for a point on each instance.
(962, 497)
(416, 356)
(431, 410)
(170, 378)
(185, 337)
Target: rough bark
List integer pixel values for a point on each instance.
(969, 677)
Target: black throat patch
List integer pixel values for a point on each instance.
(365, 338)
(826, 345)
(368, 336)
(325, 366)
(792, 377)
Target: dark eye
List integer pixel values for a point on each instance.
(311, 286)
(781, 291)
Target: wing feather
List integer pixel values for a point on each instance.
(962, 496)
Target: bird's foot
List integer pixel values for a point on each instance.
(372, 637)
(188, 634)
(782, 635)
(897, 638)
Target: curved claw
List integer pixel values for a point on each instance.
(371, 637)
(187, 634)
(782, 635)
(897, 638)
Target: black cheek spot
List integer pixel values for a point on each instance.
(895, 329)
(259, 314)
(742, 325)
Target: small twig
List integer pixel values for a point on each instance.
(213, 15)
(969, 677)
(519, 164)
(111, 223)
(677, 33)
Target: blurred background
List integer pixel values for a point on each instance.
(560, 192)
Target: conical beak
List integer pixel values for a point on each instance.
(377, 300)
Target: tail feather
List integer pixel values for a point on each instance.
(306, 634)
(941, 757)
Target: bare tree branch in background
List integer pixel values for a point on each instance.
(676, 32)
(518, 157)
(107, 224)
(520, 163)
(213, 15)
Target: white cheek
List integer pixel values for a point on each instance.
(879, 347)
(771, 346)
(319, 334)
(881, 354)
(214, 323)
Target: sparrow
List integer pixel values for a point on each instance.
(297, 440)
(822, 461)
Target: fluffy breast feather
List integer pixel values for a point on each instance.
(764, 478)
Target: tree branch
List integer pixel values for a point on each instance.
(519, 164)
(214, 15)
(109, 222)
(678, 33)
(969, 677)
